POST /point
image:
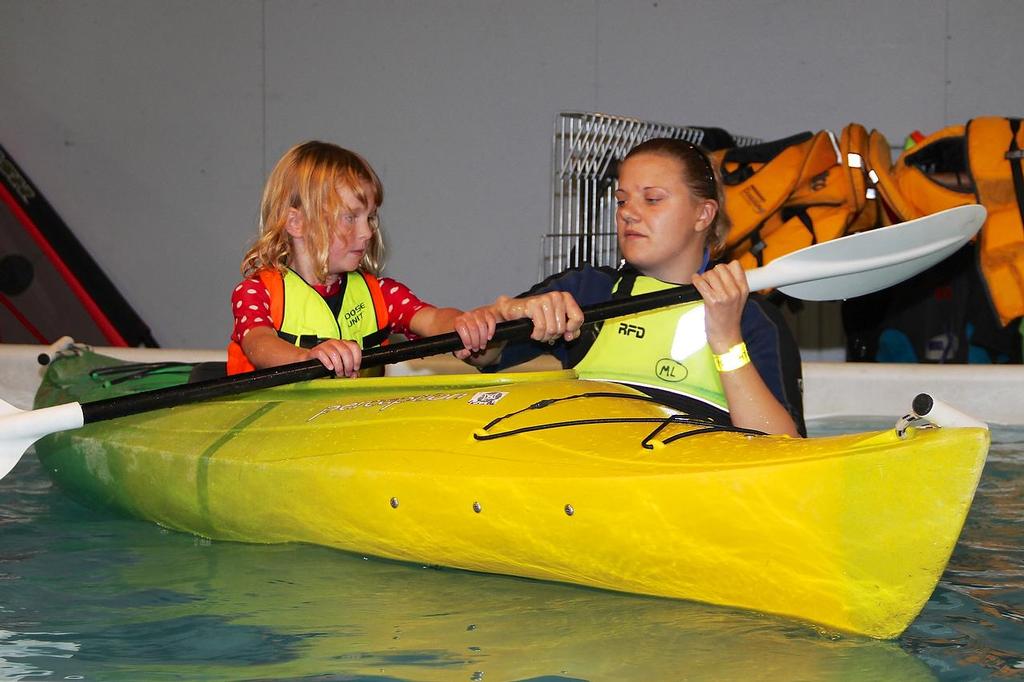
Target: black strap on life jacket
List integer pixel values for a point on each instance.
(376, 338)
(787, 213)
(588, 334)
(1015, 155)
(757, 245)
(801, 213)
(308, 341)
(756, 153)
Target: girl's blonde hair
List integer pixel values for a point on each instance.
(307, 178)
(702, 177)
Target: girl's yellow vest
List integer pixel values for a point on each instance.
(665, 349)
(302, 317)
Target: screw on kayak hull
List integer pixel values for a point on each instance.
(477, 508)
(394, 503)
(569, 511)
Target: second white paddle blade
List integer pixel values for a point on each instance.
(862, 263)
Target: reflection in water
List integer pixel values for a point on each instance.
(979, 605)
(375, 617)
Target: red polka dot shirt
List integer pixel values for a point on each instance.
(250, 304)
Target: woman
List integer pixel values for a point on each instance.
(728, 355)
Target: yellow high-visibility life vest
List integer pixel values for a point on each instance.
(302, 317)
(665, 349)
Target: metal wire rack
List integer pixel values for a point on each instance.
(585, 152)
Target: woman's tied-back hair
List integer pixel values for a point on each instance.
(307, 179)
(700, 175)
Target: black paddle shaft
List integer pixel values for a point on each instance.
(173, 396)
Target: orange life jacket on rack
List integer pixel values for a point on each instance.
(995, 152)
(838, 200)
(927, 178)
(959, 165)
(865, 211)
(757, 179)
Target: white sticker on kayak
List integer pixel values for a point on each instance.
(487, 397)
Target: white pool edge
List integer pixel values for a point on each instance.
(991, 393)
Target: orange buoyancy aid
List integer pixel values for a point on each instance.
(309, 319)
(865, 211)
(929, 177)
(995, 152)
(757, 179)
(964, 164)
(879, 159)
(838, 200)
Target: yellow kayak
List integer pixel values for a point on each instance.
(539, 475)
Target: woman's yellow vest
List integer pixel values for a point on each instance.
(665, 349)
(302, 317)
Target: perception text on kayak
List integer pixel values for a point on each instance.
(384, 403)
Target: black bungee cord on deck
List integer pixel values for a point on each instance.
(117, 374)
(708, 425)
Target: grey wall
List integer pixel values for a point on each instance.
(150, 125)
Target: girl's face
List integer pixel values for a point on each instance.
(353, 231)
(660, 223)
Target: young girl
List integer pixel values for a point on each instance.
(310, 287)
(728, 356)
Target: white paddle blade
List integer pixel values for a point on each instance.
(19, 429)
(866, 262)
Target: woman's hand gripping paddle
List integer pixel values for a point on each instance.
(842, 268)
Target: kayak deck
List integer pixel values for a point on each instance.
(543, 476)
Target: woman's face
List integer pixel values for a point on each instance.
(660, 223)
